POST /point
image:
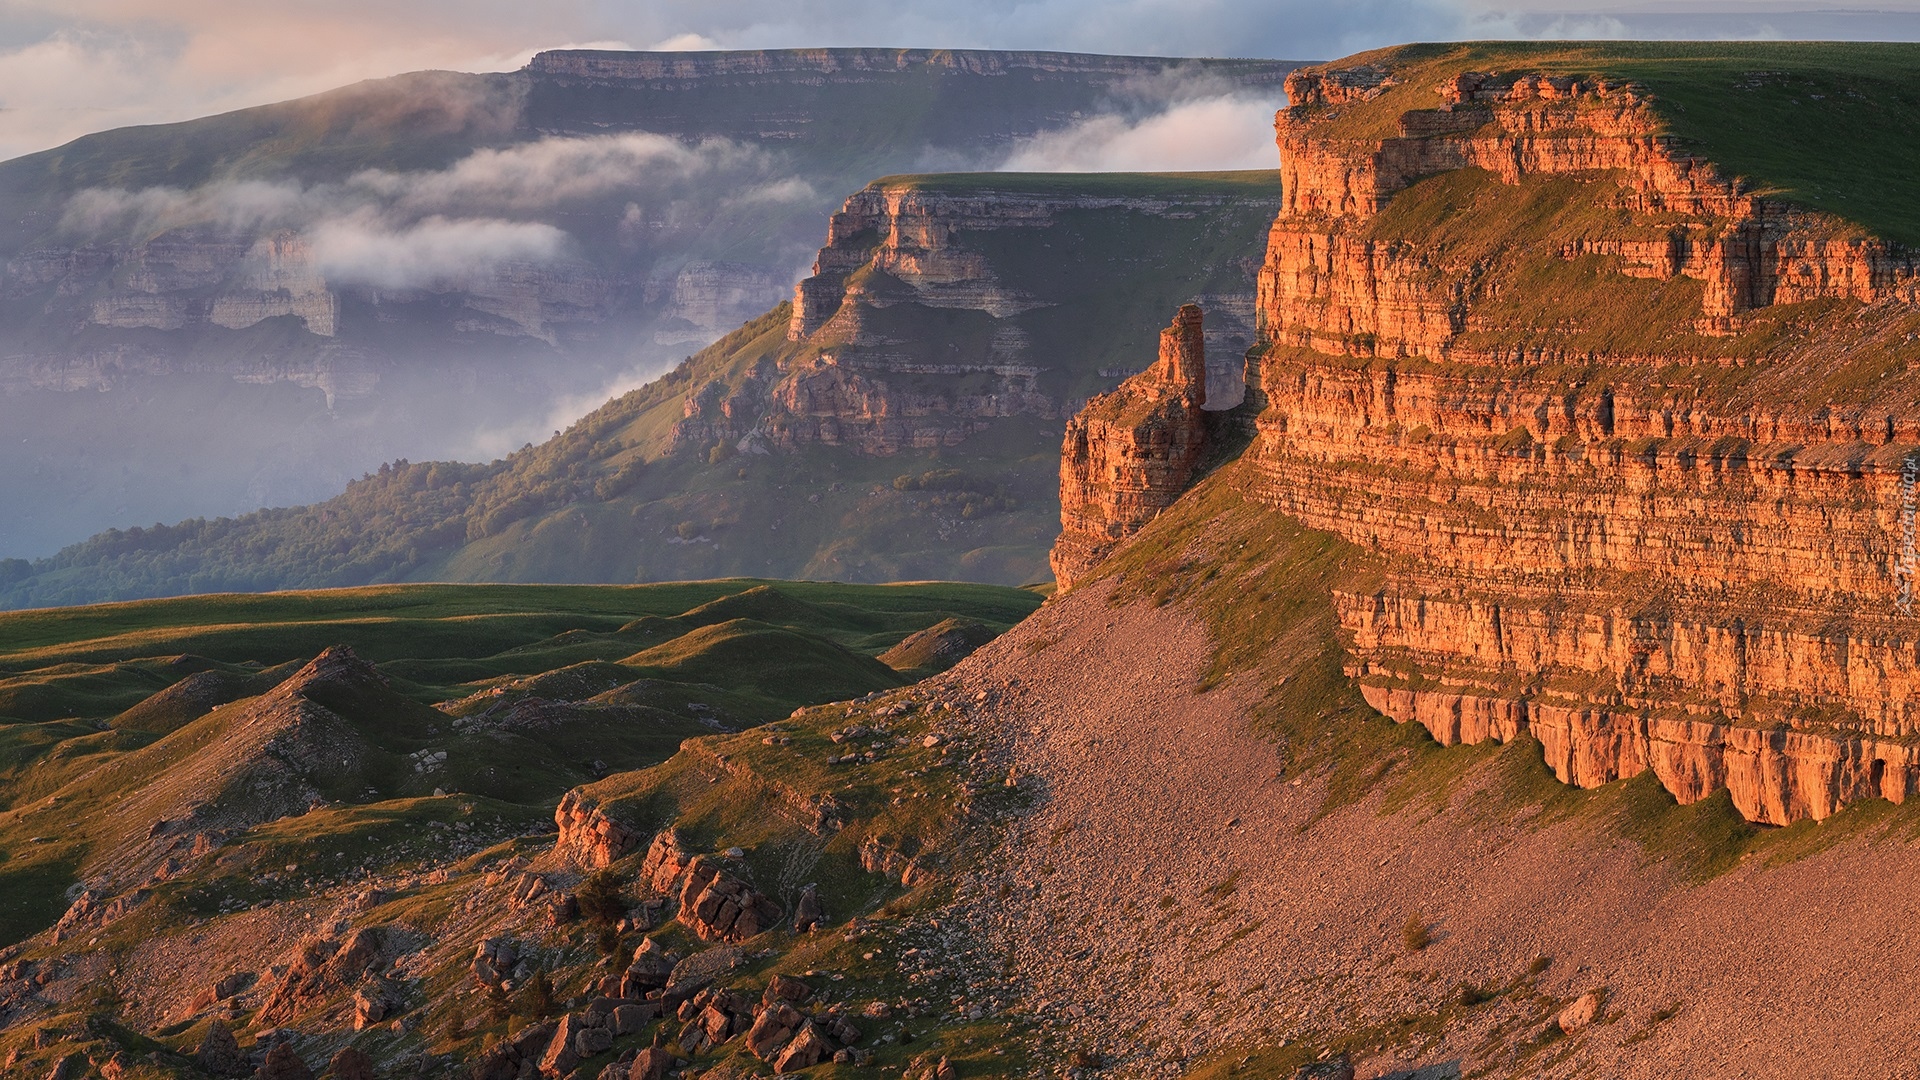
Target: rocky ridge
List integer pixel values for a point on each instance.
(1130, 453)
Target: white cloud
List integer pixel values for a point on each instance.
(436, 251)
(1228, 132)
(685, 43)
(418, 229)
(553, 171)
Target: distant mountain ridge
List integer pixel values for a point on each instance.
(903, 424)
(272, 301)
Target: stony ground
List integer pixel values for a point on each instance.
(1171, 893)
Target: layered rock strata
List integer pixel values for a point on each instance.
(1130, 453)
(1678, 543)
(1703, 584)
(1327, 282)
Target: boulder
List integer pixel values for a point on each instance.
(593, 1040)
(772, 1029)
(219, 1052)
(667, 859)
(651, 968)
(650, 1064)
(807, 1049)
(786, 988)
(320, 967)
(493, 961)
(1579, 1014)
(807, 912)
(351, 1063)
(718, 906)
(283, 1064)
(71, 1067)
(563, 1054)
(507, 1060)
(373, 1002)
(632, 1018)
(716, 1023)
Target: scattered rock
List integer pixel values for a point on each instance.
(219, 1052)
(283, 1064)
(807, 1049)
(1579, 1014)
(351, 1063)
(1338, 1067)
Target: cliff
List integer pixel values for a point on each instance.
(1621, 431)
(1130, 453)
(940, 305)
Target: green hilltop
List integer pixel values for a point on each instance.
(538, 688)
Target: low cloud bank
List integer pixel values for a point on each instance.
(1228, 132)
(415, 229)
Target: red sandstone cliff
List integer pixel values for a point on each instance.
(1623, 436)
(1130, 453)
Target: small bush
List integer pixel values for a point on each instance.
(600, 901)
(1416, 933)
(534, 999)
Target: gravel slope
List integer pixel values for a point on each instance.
(1170, 894)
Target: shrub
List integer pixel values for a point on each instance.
(1416, 933)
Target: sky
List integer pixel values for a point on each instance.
(68, 67)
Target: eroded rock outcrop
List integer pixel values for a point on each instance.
(587, 834)
(1129, 454)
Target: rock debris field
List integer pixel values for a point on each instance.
(1170, 896)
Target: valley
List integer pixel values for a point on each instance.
(274, 301)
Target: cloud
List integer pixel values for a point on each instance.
(435, 251)
(431, 227)
(554, 171)
(685, 43)
(1227, 132)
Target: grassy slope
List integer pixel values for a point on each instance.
(605, 501)
(739, 651)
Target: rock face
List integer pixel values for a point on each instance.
(587, 834)
(1129, 454)
(1623, 439)
(1643, 574)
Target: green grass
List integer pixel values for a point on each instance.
(619, 676)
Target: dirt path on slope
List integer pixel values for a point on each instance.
(1170, 894)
